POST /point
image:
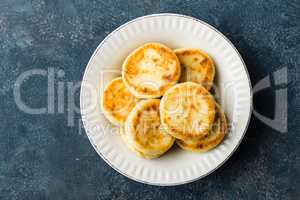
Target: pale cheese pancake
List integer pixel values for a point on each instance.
(187, 110)
(197, 66)
(215, 136)
(144, 129)
(117, 101)
(130, 146)
(150, 70)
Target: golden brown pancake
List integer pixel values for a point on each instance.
(187, 110)
(130, 146)
(144, 129)
(215, 136)
(117, 101)
(197, 66)
(150, 70)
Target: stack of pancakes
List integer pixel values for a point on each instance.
(153, 110)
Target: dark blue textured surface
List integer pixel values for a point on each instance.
(43, 158)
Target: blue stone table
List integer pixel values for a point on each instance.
(48, 156)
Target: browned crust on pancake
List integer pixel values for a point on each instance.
(206, 66)
(145, 128)
(178, 131)
(131, 69)
(214, 138)
(117, 101)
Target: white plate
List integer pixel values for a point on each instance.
(233, 92)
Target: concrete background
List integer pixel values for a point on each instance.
(41, 157)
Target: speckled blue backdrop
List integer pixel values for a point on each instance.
(43, 158)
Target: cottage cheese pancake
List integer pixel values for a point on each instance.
(215, 136)
(150, 70)
(187, 111)
(144, 129)
(129, 144)
(197, 66)
(117, 101)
